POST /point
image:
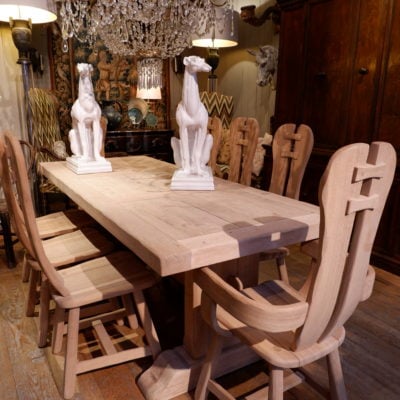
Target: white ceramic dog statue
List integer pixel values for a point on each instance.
(192, 149)
(86, 135)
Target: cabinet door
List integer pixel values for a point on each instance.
(288, 105)
(343, 59)
(387, 129)
(366, 70)
(388, 126)
(330, 50)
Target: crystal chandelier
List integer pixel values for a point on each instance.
(145, 28)
(149, 29)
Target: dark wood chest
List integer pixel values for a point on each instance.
(339, 73)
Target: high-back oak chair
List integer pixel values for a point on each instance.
(285, 327)
(244, 133)
(51, 144)
(291, 150)
(118, 274)
(68, 245)
(214, 127)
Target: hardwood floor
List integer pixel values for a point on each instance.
(370, 353)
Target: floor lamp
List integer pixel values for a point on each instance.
(21, 14)
(224, 33)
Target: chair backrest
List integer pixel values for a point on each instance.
(353, 192)
(8, 185)
(14, 176)
(45, 122)
(244, 133)
(214, 128)
(291, 151)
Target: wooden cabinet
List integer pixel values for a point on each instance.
(154, 143)
(339, 73)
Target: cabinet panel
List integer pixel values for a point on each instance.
(366, 70)
(389, 123)
(291, 67)
(386, 252)
(329, 53)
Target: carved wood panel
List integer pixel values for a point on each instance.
(114, 77)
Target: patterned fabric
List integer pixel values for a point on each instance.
(223, 156)
(45, 128)
(218, 105)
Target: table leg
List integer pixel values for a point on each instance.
(176, 371)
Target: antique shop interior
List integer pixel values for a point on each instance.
(200, 199)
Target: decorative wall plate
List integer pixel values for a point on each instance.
(151, 120)
(137, 110)
(135, 115)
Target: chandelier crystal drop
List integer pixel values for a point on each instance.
(149, 73)
(75, 22)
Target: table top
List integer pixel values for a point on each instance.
(177, 231)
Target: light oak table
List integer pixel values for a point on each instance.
(176, 232)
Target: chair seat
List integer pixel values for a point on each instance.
(105, 277)
(275, 348)
(77, 246)
(62, 222)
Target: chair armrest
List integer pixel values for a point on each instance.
(51, 153)
(264, 316)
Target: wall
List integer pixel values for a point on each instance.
(237, 72)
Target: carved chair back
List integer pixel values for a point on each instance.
(244, 134)
(214, 128)
(353, 192)
(291, 150)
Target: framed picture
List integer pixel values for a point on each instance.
(114, 81)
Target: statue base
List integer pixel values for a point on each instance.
(183, 181)
(80, 166)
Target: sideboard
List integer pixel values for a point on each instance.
(152, 142)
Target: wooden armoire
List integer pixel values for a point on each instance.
(339, 73)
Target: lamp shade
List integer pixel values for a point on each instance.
(153, 93)
(38, 11)
(224, 33)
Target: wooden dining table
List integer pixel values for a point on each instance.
(177, 231)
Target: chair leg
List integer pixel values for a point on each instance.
(26, 269)
(32, 293)
(275, 389)
(71, 356)
(128, 305)
(281, 264)
(206, 372)
(7, 237)
(58, 330)
(147, 323)
(336, 381)
(44, 311)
